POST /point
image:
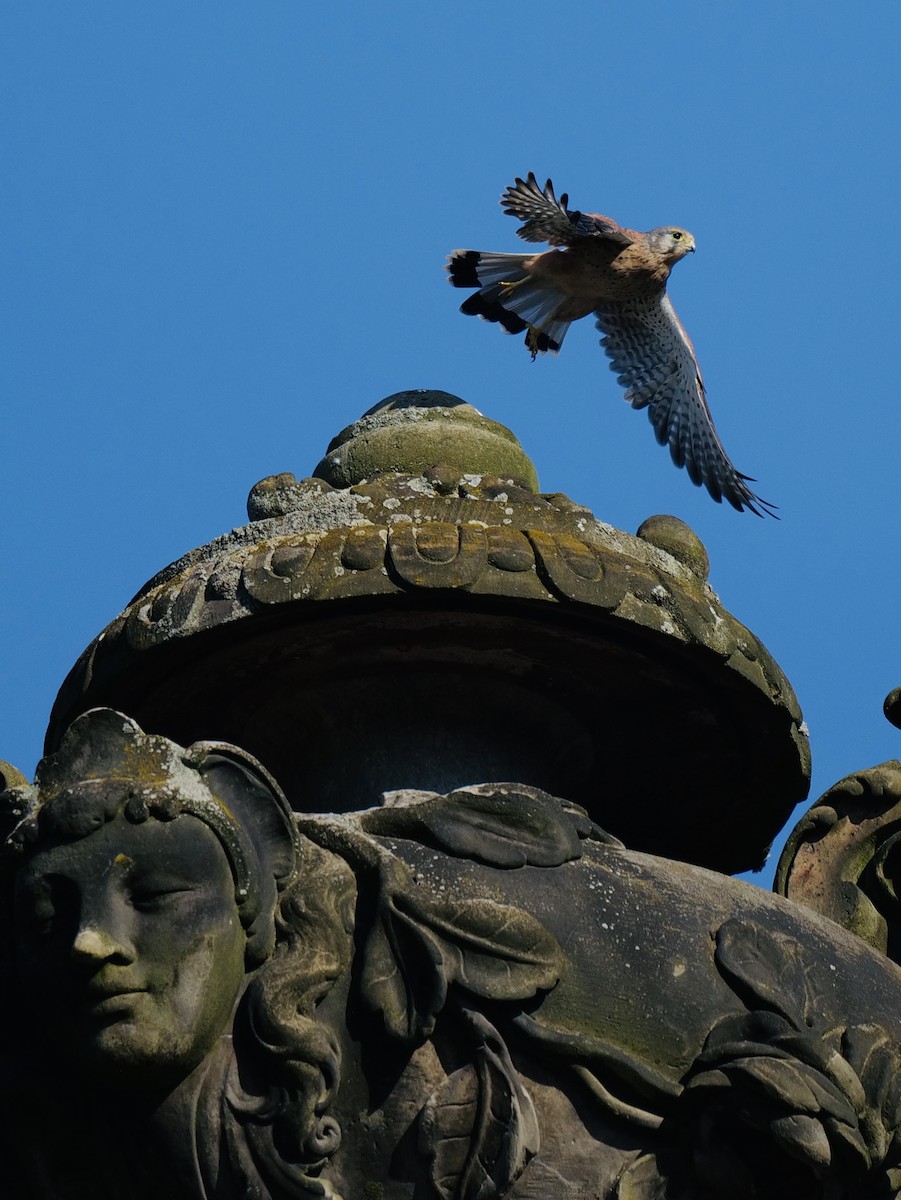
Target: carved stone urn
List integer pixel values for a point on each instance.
(382, 848)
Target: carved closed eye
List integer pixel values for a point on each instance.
(150, 890)
(155, 898)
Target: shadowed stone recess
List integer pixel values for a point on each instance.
(416, 614)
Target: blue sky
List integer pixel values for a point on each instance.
(225, 225)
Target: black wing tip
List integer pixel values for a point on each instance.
(741, 497)
(532, 190)
(733, 488)
(758, 506)
(729, 484)
(513, 191)
(736, 493)
(531, 184)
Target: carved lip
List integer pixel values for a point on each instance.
(107, 998)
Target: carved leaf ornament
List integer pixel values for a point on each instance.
(422, 942)
(418, 948)
(479, 1127)
(776, 1104)
(507, 828)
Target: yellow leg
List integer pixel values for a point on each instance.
(534, 331)
(532, 336)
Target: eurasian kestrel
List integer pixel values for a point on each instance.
(619, 275)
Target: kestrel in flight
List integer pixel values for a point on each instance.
(619, 275)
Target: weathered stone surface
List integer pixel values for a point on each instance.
(426, 629)
(477, 994)
(10, 776)
(397, 436)
(843, 858)
(674, 536)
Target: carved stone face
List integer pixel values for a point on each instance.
(130, 948)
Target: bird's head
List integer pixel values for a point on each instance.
(671, 243)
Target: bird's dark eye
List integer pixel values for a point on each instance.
(677, 235)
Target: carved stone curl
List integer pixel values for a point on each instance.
(843, 858)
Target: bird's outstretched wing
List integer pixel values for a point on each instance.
(655, 361)
(547, 219)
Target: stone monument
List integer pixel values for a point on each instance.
(382, 849)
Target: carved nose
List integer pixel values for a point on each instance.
(97, 945)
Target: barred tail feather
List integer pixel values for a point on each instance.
(478, 268)
(508, 297)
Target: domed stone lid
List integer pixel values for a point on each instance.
(417, 615)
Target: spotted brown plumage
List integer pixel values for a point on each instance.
(618, 274)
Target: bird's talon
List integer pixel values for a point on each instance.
(510, 287)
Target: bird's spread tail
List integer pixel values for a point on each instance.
(510, 297)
